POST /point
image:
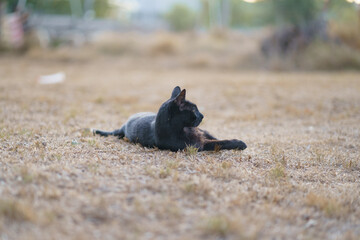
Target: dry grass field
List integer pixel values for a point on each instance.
(299, 178)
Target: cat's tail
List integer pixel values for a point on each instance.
(120, 133)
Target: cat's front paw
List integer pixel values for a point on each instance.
(239, 144)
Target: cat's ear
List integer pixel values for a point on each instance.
(181, 97)
(175, 92)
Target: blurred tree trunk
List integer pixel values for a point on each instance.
(212, 14)
(216, 13)
(226, 13)
(1, 11)
(76, 8)
(89, 11)
(358, 11)
(205, 21)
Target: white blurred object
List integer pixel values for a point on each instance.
(354, 1)
(53, 78)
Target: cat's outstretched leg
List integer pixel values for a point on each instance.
(207, 135)
(212, 145)
(120, 133)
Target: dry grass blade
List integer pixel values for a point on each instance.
(298, 178)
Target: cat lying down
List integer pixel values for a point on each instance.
(174, 127)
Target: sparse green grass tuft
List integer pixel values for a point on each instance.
(226, 164)
(92, 142)
(86, 132)
(173, 164)
(278, 172)
(319, 156)
(164, 172)
(190, 187)
(150, 171)
(218, 226)
(99, 100)
(278, 156)
(4, 134)
(191, 150)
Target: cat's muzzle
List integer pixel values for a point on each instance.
(198, 120)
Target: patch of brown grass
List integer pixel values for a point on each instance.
(199, 186)
(16, 211)
(225, 227)
(298, 177)
(164, 45)
(330, 206)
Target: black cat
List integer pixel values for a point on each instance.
(174, 127)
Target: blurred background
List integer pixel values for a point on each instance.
(281, 75)
(226, 34)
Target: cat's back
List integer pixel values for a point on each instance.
(140, 128)
(141, 115)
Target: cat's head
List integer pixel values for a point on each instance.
(183, 112)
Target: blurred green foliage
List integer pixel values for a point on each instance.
(342, 11)
(296, 12)
(241, 14)
(62, 7)
(50, 7)
(262, 13)
(278, 12)
(101, 8)
(285, 12)
(345, 22)
(181, 18)
(245, 14)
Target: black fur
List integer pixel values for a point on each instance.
(174, 127)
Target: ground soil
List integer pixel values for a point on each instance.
(299, 178)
